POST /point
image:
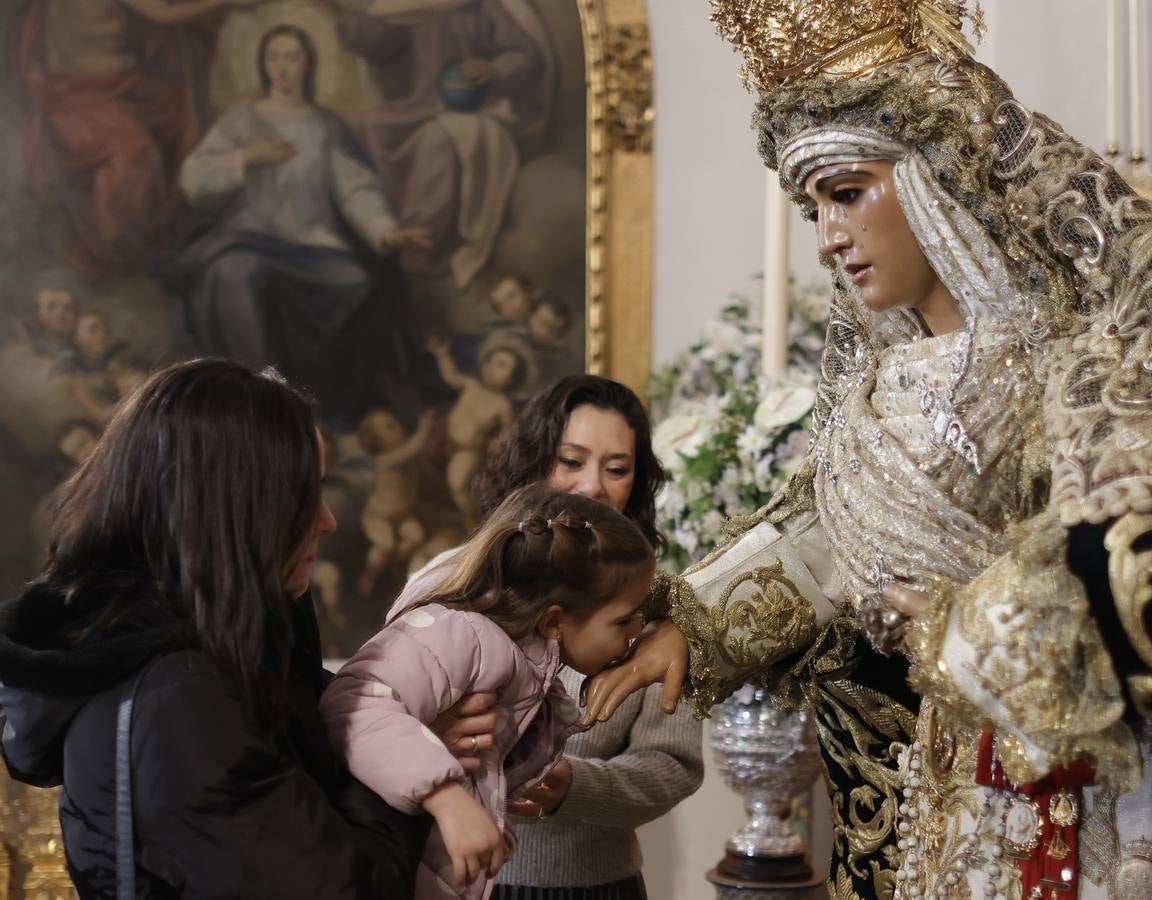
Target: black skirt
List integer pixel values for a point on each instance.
(626, 889)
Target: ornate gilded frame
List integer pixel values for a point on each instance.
(618, 63)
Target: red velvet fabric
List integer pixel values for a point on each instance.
(1053, 865)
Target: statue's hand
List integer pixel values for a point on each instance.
(660, 656)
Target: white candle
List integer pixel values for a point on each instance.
(1112, 126)
(1136, 77)
(776, 246)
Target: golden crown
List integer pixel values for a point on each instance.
(789, 40)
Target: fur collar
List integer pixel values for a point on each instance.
(87, 641)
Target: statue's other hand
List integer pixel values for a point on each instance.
(908, 601)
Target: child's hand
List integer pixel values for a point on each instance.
(471, 837)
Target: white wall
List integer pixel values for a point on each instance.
(708, 217)
(709, 242)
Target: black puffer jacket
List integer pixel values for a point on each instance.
(223, 808)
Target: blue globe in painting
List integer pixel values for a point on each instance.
(459, 92)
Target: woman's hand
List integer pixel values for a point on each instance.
(545, 797)
(476, 69)
(470, 835)
(268, 153)
(465, 728)
(661, 656)
(407, 238)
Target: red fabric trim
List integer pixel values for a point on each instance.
(1054, 865)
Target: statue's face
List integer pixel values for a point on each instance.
(860, 222)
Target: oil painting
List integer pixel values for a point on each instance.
(384, 200)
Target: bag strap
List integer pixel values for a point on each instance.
(125, 843)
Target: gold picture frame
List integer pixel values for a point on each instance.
(618, 282)
(618, 61)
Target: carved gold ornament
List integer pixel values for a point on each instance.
(618, 69)
(790, 40)
(1063, 809)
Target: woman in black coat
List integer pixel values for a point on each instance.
(177, 576)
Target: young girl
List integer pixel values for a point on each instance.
(551, 578)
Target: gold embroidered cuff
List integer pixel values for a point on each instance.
(702, 688)
(759, 618)
(929, 676)
(656, 606)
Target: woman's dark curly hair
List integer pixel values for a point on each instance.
(528, 453)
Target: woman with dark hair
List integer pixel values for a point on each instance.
(590, 436)
(168, 655)
(629, 478)
(296, 267)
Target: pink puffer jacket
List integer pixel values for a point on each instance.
(380, 704)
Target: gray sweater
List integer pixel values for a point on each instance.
(626, 772)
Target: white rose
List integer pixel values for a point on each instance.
(710, 525)
(783, 406)
(741, 371)
(670, 500)
(730, 497)
(765, 476)
(724, 336)
(751, 443)
(676, 437)
(695, 490)
(687, 539)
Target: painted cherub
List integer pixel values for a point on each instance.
(389, 518)
(512, 300)
(49, 331)
(549, 321)
(100, 397)
(481, 411)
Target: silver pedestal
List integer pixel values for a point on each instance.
(769, 757)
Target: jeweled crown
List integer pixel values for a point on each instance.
(784, 41)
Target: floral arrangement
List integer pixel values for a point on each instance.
(729, 434)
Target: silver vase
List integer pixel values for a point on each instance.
(769, 757)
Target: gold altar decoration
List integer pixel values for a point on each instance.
(31, 850)
(619, 277)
